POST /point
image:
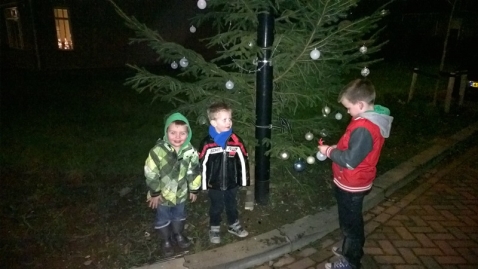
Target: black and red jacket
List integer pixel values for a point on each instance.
(224, 168)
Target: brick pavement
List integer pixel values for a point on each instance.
(430, 223)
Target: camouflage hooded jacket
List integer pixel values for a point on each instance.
(171, 174)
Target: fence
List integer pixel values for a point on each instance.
(453, 78)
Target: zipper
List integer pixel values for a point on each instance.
(224, 169)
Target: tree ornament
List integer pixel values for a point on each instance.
(202, 120)
(365, 72)
(384, 12)
(202, 4)
(229, 85)
(338, 116)
(299, 165)
(320, 156)
(323, 133)
(315, 54)
(174, 65)
(363, 49)
(192, 29)
(250, 44)
(183, 62)
(325, 111)
(284, 155)
(310, 160)
(309, 136)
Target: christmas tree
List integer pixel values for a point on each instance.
(315, 43)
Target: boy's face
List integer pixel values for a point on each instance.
(353, 109)
(177, 134)
(222, 121)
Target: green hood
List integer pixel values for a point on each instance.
(169, 120)
(381, 110)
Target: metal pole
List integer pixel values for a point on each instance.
(449, 91)
(412, 86)
(463, 79)
(265, 38)
(35, 35)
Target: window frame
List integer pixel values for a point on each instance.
(14, 28)
(63, 29)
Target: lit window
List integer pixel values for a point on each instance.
(14, 29)
(63, 29)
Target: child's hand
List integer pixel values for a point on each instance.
(193, 197)
(154, 202)
(323, 149)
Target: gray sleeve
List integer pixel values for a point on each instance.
(360, 144)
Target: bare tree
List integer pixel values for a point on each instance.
(445, 45)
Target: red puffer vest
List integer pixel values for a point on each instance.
(361, 177)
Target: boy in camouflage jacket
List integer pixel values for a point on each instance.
(172, 172)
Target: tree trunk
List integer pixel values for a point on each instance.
(443, 55)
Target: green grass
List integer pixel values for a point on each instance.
(70, 146)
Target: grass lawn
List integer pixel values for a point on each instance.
(72, 153)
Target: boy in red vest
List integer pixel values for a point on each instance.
(354, 164)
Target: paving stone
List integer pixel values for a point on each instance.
(430, 263)
(450, 260)
(445, 247)
(307, 252)
(301, 264)
(424, 240)
(427, 251)
(373, 251)
(285, 260)
(387, 247)
(408, 266)
(409, 256)
(369, 263)
(389, 259)
(406, 243)
(404, 233)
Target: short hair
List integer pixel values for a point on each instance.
(178, 122)
(358, 90)
(214, 108)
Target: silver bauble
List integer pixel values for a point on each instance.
(284, 155)
(299, 165)
(309, 136)
(320, 156)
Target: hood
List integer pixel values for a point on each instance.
(380, 116)
(170, 119)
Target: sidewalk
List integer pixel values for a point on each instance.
(436, 234)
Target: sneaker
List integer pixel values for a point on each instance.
(341, 264)
(237, 229)
(337, 252)
(215, 235)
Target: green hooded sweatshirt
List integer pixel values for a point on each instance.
(173, 174)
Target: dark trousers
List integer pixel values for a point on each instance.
(351, 223)
(218, 200)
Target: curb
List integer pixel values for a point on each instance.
(257, 250)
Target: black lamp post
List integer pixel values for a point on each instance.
(265, 38)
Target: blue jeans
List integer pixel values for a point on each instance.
(166, 214)
(218, 200)
(351, 223)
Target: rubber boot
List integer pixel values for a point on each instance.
(164, 235)
(178, 236)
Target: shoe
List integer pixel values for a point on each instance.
(178, 237)
(340, 264)
(215, 235)
(337, 252)
(164, 235)
(237, 229)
